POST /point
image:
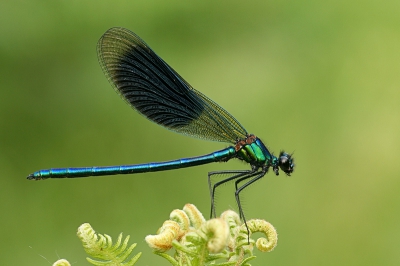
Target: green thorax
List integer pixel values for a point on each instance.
(253, 151)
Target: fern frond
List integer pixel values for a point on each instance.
(101, 247)
(198, 242)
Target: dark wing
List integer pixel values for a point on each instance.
(156, 91)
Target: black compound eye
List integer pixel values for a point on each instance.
(286, 163)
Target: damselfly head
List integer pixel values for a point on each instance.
(286, 163)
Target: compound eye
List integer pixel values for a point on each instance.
(286, 163)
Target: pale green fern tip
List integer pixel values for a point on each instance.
(61, 262)
(101, 247)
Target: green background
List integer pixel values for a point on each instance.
(320, 78)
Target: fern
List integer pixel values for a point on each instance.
(194, 241)
(101, 247)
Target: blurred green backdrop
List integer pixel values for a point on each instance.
(320, 78)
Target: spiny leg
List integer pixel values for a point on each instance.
(237, 187)
(256, 176)
(212, 188)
